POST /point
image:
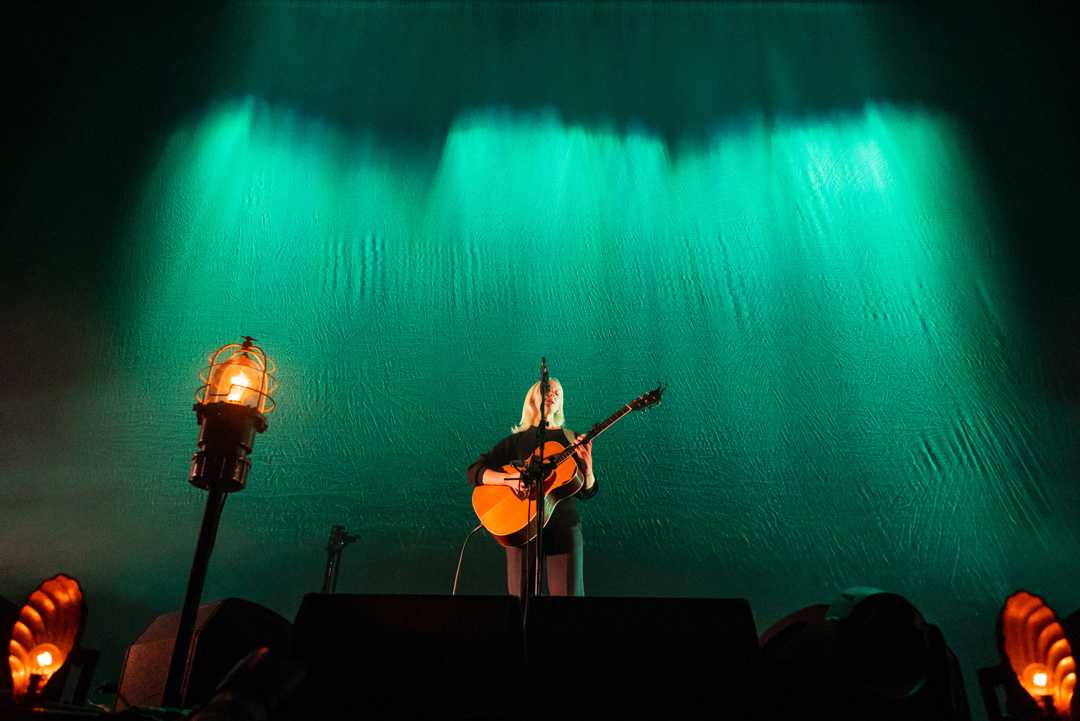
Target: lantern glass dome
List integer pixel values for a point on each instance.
(240, 374)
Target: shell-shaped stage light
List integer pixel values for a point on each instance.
(45, 633)
(1038, 651)
(241, 374)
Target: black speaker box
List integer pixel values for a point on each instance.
(467, 657)
(225, 632)
(648, 657)
(405, 656)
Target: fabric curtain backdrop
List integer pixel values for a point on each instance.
(838, 232)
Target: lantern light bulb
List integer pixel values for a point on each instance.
(239, 383)
(1040, 679)
(44, 659)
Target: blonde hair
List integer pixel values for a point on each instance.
(530, 410)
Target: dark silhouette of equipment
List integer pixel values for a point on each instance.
(373, 656)
(868, 655)
(648, 657)
(225, 632)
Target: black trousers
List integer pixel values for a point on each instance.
(565, 572)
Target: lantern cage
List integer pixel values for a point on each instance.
(239, 374)
(231, 407)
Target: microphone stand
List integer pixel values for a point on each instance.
(534, 484)
(540, 475)
(339, 538)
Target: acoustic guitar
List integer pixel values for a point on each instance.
(511, 516)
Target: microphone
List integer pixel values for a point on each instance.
(543, 369)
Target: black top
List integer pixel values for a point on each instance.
(518, 447)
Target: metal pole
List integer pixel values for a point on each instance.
(215, 502)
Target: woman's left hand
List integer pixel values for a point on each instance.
(584, 452)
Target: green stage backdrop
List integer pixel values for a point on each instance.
(838, 232)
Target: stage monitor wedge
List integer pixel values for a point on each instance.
(225, 632)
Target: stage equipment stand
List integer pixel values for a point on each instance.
(231, 407)
(535, 472)
(339, 538)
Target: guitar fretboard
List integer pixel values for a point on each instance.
(593, 432)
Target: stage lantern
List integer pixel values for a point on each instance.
(239, 373)
(231, 406)
(1036, 647)
(45, 634)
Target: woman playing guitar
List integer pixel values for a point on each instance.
(562, 542)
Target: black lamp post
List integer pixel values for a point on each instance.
(231, 407)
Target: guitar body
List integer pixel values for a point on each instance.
(512, 518)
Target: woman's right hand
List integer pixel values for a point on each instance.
(515, 484)
(511, 480)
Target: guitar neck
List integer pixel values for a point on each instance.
(594, 432)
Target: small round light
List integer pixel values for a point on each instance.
(1037, 676)
(47, 657)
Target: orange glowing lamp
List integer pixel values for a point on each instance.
(240, 374)
(1039, 653)
(47, 631)
(231, 407)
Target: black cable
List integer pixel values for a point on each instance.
(461, 557)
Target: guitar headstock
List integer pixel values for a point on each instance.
(652, 398)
